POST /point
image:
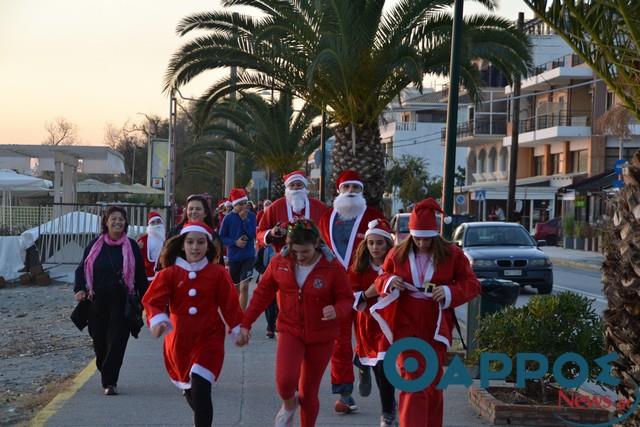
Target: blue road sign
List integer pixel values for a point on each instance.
(619, 164)
(480, 195)
(460, 199)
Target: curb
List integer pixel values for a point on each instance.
(576, 264)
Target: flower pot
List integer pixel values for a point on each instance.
(579, 244)
(567, 243)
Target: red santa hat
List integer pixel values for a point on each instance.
(153, 215)
(199, 227)
(222, 202)
(349, 176)
(379, 227)
(238, 195)
(422, 222)
(295, 176)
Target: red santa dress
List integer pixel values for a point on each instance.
(203, 305)
(413, 313)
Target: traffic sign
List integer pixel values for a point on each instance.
(618, 183)
(619, 164)
(480, 195)
(460, 199)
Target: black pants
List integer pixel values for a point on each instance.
(387, 391)
(271, 313)
(110, 333)
(199, 399)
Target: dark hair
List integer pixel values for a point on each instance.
(208, 215)
(107, 214)
(174, 248)
(301, 232)
(363, 257)
(440, 249)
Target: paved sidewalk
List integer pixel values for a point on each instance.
(585, 260)
(244, 395)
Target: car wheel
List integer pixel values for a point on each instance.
(552, 240)
(545, 289)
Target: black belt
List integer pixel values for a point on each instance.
(429, 289)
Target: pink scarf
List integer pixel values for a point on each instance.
(128, 260)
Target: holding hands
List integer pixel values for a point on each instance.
(278, 231)
(160, 329)
(398, 283)
(243, 337)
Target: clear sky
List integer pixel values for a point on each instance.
(95, 62)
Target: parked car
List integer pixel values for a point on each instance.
(504, 250)
(400, 224)
(549, 231)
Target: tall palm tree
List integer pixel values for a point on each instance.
(350, 57)
(273, 135)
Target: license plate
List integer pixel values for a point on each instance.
(513, 272)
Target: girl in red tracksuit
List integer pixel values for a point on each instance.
(425, 278)
(371, 343)
(313, 295)
(203, 304)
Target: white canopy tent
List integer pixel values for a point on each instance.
(13, 182)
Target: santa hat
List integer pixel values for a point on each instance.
(198, 226)
(222, 202)
(349, 176)
(422, 222)
(379, 227)
(295, 176)
(153, 215)
(238, 195)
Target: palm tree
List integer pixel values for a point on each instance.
(351, 58)
(606, 35)
(273, 135)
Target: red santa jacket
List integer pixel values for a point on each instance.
(149, 266)
(413, 313)
(203, 304)
(357, 234)
(371, 344)
(301, 308)
(280, 212)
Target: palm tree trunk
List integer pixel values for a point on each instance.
(367, 159)
(621, 278)
(277, 187)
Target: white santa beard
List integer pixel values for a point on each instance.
(349, 205)
(297, 199)
(155, 241)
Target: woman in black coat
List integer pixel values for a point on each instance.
(112, 268)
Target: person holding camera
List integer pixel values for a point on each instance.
(111, 270)
(238, 234)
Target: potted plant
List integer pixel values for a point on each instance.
(579, 233)
(568, 224)
(551, 325)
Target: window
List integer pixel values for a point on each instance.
(609, 100)
(555, 164)
(579, 160)
(538, 162)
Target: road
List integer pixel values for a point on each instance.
(583, 282)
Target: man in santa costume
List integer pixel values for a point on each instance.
(424, 279)
(296, 203)
(151, 243)
(343, 227)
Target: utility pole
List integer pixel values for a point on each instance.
(323, 156)
(169, 185)
(230, 156)
(452, 117)
(515, 135)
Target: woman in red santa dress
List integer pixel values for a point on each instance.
(371, 344)
(313, 296)
(203, 304)
(425, 278)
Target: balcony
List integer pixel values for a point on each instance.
(485, 128)
(560, 71)
(553, 127)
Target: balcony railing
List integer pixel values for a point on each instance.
(562, 118)
(570, 60)
(481, 126)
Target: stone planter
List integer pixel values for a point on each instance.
(579, 244)
(567, 243)
(501, 413)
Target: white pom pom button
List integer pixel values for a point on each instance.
(192, 310)
(192, 292)
(192, 275)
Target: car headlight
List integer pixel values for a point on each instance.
(483, 263)
(540, 262)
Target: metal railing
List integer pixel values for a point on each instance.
(15, 219)
(570, 60)
(481, 126)
(561, 118)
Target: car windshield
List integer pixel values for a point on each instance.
(403, 224)
(497, 236)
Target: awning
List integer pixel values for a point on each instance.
(595, 183)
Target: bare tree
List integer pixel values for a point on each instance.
(61, 132)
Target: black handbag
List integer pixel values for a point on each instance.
(133, 314)
(80, 314)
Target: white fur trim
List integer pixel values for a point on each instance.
(352, 238)
(424, 233)
(159, 318)
(372, 361)
(196, 369)
(197, 228)
(196, 266)
(415, 274)
(296, 177)
(241, 199)
(447, 297)
(352, 181)
(444, 340)
(382, 303)
(387, 285)
(357, 304)
(379, 232)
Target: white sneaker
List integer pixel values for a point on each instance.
(285, 418)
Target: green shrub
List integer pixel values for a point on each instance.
(568, 225)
